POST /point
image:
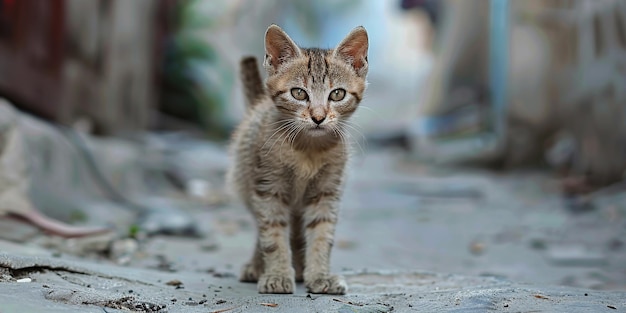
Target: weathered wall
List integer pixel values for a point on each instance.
(81, 59)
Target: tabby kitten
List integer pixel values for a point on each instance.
(290, 156)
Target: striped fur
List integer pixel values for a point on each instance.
(290, 154)
(253, 88)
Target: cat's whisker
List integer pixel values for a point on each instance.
(292, 134)
(352, 123)
(295, 133)
(284, 132)
(291, 131)
(334, 129)
(352, 127)
(287, 133)
(345, 139)
(339, 133)
(281, 121)
(293, 139)
(369, 109)
(279, 129)
(346, 135)
(353, 142)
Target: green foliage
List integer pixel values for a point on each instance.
(77, 216)
(133, 231)
(186, 91)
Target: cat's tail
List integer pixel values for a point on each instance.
(253, 88)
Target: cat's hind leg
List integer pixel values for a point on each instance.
(254, 269)
(298, 245)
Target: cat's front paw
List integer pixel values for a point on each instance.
(276, 283)
(328, 284)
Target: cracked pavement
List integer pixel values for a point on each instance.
(411, 237)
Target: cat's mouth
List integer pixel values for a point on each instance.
(317, 130)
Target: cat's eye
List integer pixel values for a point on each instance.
(337, 94)
(299, 94)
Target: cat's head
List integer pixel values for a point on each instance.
(314, 88)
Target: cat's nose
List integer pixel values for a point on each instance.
(317, 120)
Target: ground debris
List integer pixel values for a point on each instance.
(346, 244)
(615, 244)
(225, 310)
(164, 264)
(123, 250)
(224, 275)
(538, 244)
(347, 302)
(174, 282)
(477, 248)
(271, 305)
(129, 303)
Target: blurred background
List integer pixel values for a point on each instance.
(499, 82)
(504, 91)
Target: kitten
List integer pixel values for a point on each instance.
(290, 156)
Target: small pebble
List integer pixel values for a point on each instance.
(477, 248)
(24, 280)
(615, 244)
(538, 244)
(209, 246)
(122, 250)
(346, 244)
(174, 282)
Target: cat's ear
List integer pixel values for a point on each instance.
(353, 49)
(279, 48)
